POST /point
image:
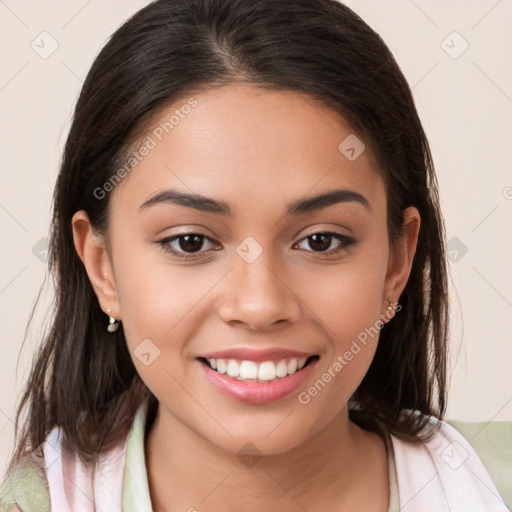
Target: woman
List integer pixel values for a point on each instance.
(251, 281)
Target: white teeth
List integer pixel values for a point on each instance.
(233, 368)
(282, 368)
(221, 366)
(292, 366)
(250, 370)
(267, 371)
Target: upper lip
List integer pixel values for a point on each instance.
(250, 354)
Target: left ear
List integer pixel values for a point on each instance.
(402, 255)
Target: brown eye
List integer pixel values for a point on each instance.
(320, 242)
(188, 245)
(190, 242)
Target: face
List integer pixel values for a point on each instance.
(187, 282)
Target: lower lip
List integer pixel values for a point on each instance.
(257, 392)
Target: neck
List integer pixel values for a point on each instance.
(338, 464)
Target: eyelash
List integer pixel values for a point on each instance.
(164, 243)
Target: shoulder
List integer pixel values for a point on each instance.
(25, 488)
(492, 441)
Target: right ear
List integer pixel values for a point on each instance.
(92, 250)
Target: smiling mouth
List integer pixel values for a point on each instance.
(265, 371)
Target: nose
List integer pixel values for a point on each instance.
(257, 296)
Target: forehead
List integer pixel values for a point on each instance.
(249, 147)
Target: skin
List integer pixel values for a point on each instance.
(257, 150)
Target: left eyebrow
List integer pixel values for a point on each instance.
(297, 207)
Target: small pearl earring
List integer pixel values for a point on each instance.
(113, 324)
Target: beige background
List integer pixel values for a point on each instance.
(465, 104)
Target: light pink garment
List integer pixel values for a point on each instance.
(71, 489)
(444, 474)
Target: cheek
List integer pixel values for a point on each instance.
(160, 302)
(347, 304)
(157, 306)
(347, 298)
(351, 321)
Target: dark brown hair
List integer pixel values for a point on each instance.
(83, 378)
